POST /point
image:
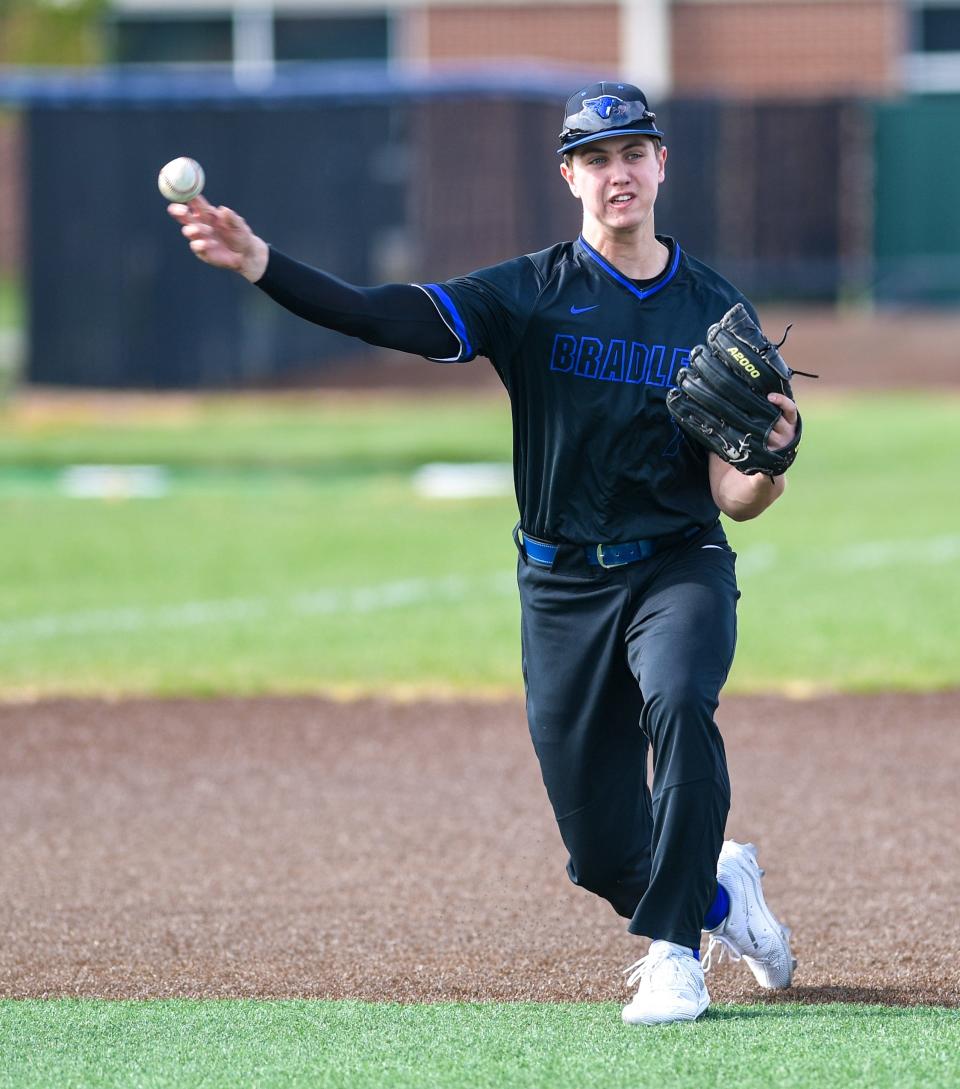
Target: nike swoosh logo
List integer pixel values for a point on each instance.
(583, 309)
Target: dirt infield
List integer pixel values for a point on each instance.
(301, 847)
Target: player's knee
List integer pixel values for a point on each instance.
(679, 720)
(621, 886)
(617, 869)
(678, 704)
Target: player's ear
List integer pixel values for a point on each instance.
(566, 169)
(663, 162)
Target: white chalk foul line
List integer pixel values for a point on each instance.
(327, 602)
(752, 561)
(876, 554)
(865, 556)
(868, 555)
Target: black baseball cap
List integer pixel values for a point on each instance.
(606, 109)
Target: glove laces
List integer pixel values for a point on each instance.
(780, 343)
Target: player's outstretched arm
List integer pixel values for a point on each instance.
(399, 316)
(742, 497)
(220, 237)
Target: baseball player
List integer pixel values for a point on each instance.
(627, 584)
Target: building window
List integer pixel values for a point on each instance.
(933, 62)
(318, 38)
(158, 39)
(938, 29)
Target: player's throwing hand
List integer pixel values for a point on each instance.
(220, 237)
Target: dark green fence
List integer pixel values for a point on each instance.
(377, 178)
(917, 201)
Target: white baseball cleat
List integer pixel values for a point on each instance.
(671, 987)
(750, 930)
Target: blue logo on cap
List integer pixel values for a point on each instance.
(606, 106)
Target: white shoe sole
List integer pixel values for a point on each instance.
(664, 1017)
(753, 876)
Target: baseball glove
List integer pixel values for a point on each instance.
(721, 395)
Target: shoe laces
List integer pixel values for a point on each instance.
(726, 950)
(723, 947)
(637, 970)
(646, 964)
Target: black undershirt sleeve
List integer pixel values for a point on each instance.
(400, 316)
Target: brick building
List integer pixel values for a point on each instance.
(682, 47)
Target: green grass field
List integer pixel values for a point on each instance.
(352, 1045)
(292, 553)
(11, 303)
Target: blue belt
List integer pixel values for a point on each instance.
(606, 555)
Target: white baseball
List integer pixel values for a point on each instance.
(181, 180)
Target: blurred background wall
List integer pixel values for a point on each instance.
(813, 149)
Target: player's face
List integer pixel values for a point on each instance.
(617, 181)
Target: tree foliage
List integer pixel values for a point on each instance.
(52, 32)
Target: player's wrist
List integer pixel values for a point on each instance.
(255, 260)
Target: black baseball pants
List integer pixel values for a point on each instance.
(617, 663)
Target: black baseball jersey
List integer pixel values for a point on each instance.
(587, 356)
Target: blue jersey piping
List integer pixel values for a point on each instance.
(458, 326)
(640, 292)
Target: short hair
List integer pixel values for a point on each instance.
(568, 155)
